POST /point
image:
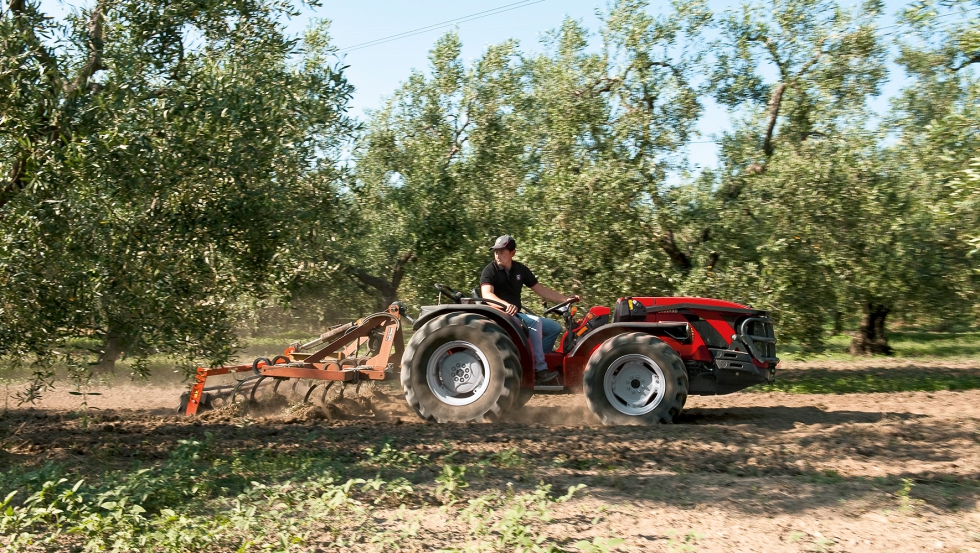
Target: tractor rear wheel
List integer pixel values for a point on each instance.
(635, 378)
(461, 367)
(523, 397)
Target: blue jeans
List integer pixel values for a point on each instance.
(542, 333)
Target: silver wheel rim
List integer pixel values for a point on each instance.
(458, 373)
(634, 384)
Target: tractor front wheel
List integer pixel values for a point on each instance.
(461, 367)
(635, 378)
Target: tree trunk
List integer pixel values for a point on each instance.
(871, 338)
(838, 323)
(111, 351)
(387, 288)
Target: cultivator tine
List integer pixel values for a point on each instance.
(299, 390)
(244, 384)
(306, 398)
(320, 399)
(263, 390)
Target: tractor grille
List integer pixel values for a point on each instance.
(757, 333)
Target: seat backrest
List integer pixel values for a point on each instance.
(478, 291)
(629, 310)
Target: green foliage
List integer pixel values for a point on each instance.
(157, 165)
(911, 345)
(906, 503)
(810, 215)
(686, 543)
(851, 383)
(504, 522)
(451, 482)
(598, 545)
(177, 506)
(166, 172)
(200, 500)
(508, 459)
(388, 456)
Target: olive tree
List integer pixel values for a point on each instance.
(160, 160)
(796, 77)
(438, 173)
(935, 120)
(609, 128)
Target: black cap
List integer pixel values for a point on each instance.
(505, 242)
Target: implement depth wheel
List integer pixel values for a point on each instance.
(635, 378)
(461, 367)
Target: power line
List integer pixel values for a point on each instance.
(463, 19)
(523, 4)
(964, 12)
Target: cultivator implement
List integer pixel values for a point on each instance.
(349, 356)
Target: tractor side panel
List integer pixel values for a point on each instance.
(725, 356)
(676, 334)
(697, 349)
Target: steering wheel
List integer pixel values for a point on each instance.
(560, 306)
(452, 294)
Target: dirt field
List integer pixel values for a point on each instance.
(746, 472)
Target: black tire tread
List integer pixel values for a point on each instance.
(669, 408)
(500, 339)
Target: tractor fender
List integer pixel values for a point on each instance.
(505, 321)
(588, 342)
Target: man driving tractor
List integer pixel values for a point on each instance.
(502, 280)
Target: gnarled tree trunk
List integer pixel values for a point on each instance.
(112, 350)
(871, 338)
(387, 288)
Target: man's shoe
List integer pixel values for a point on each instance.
(540, 377)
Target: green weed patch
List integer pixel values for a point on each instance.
(198, 500)
(905, 345)
(854, 382)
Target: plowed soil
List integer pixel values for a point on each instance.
(745, 472)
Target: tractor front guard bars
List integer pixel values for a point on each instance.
(761, 346)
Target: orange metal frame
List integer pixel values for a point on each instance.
(335, 361)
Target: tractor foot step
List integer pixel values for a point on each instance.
(548, 388)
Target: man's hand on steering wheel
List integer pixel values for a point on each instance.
(568, 301)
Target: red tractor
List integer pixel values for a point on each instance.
(636, 363)
(468, 361)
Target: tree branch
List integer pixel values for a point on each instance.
(806, 66)
(95, 46)
(669, 246)
(770, 47)
(388, 289)
(14, 181)
(399, 272)
(375, 282)
(19, 11)
(974, 59)
(775, 102)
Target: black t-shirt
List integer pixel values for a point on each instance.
(507, 284)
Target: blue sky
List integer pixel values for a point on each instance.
(376, 71)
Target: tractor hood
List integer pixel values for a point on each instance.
(654, 304)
